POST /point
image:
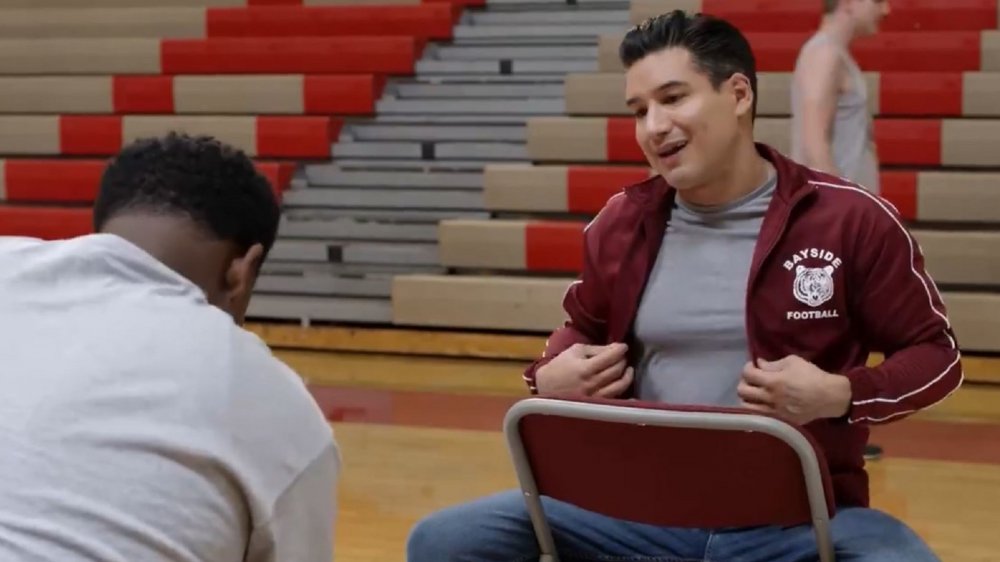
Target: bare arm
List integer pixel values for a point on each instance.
(819, 83)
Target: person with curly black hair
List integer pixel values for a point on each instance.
(140, 421)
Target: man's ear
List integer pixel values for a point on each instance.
(743, 92)
(240, 279)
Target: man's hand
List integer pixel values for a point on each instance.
(591, 370)
(794, 389)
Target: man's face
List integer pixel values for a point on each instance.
(868, 14)
(687, 129)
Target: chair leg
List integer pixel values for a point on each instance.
(824, 542)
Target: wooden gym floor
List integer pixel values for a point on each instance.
(419, 432)
(409, 453)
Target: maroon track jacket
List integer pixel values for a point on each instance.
(834, 275)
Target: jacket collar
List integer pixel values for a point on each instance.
(791, 179)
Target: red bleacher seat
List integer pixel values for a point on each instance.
(804, 15)
(77, 181)
(302, 55)
(49, 223)
(947, 51)
(900, 141)
(431, 21)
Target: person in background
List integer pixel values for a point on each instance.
(831, 120)
(139, 420)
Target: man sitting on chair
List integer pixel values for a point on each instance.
(735, 277)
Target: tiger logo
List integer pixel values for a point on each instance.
(813, 285)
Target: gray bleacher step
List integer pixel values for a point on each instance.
(496, 79)
(414, 216)
(512, 52)
(392, 216)
(384, 198)
(414, 164)
(289, 267)
(335, 175)
(482, 120)
(550, 17)
(356, 252)
(538, 5)
(350, 229)
(319, 309)
(533, 106)
(466, 91)
(501, 67)
(378, 132)
(547, 33)
(487, 151)
(324, 284)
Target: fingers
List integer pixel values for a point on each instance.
(616, 388)
(756, 376)
(759, 408)
(779, 365)
(605, 377)
(605, 356)
(754, 394)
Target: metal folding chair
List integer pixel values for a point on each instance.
(666, 465)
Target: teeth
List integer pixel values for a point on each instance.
(673, 148)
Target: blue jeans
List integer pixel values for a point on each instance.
(497, 529)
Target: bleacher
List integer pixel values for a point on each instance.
(932, 76)
(437, 160)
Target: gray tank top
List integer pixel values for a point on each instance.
(853, 137)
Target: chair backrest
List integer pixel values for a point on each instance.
(670, 465)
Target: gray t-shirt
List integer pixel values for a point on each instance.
(139, 423)
(690, 324)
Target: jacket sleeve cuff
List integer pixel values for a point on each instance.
(863, 392)
(531, 373)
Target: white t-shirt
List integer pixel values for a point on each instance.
(140, 423)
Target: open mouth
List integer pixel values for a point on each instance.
(672, 148)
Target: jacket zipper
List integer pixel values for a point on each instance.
(757, 267)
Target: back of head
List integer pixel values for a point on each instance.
(197, 205)
(196, 177)
(830, 5)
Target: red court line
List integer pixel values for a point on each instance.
(290, 55)
(420, 409)
(553, 246)
(911, 438)
(49, 223)
(432, 21)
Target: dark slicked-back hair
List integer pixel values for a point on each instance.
(717, 47)
(830, 5)
(197, 177)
